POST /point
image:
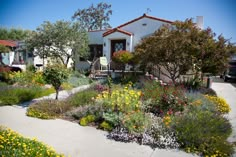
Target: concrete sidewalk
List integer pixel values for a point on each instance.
(72, 139)
(228, 92)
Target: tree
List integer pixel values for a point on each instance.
(55, 75)
(41, 41)
(62, 40)
(94, 18)
(181, 47)
(13, 34)
(122, 57)
(3, 49)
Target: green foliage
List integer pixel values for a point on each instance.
(94, 17)
(31, 68)
(181, 47)
(105, 126)
(3, 84)
(82, 111)
(4, 49)
(190, 83)
(203, 132)
(14, 144)
(13, 34)
(4, 75)
(87, 119)
(199, 101)
(48, 109)
(83, 98)
(121, 100)
(27, 78)
(76, 80)
(135, 122)
(122, 57)
(55, 75)
(163, 99)
(112, 118)
(53, 39)
(14, 95)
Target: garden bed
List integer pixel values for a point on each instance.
(14, 144)
(157, 115)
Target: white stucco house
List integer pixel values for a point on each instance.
(18, 56)
(124, 37)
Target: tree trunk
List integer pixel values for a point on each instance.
(57, 93)
(67, 61)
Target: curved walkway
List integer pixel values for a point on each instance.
(74, 140)
(228, 91)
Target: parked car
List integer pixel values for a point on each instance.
(230, 72)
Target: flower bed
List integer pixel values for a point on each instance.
(14, 144)
(157, 115)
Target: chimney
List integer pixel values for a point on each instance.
(199, 22)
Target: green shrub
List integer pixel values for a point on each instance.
(199, 101)
(48, 109)
(113, 118)
(55, 75)
(163, 99)
(135, 122)
(82, 111)
(122, 57)
(3, 84)
(87, 119)
(121, 100)
(192, 83)
(15, 95)
(27, 78)
(203, 132)
(13, 144)
(76, 79)
(82, 98)
(105, 126)
(31, 68)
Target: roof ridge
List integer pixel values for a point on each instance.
(143, 16)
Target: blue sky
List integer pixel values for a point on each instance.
(29, 14)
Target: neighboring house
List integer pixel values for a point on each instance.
(124, 37)
(18, 56)
(7, 57)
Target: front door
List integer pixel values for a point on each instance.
(117, 45)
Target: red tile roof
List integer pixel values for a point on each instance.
(128, 33)
(116, 30)
(8, 43)
(100, 30)
(147, 16)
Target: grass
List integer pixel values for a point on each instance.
(82, 98)
(48, 109)
(14, 95)
(14, 144)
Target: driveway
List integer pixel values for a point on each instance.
(74, 140)
(227, 90)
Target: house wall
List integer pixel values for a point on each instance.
(95, 37)
(142, 28)
(115, 36)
